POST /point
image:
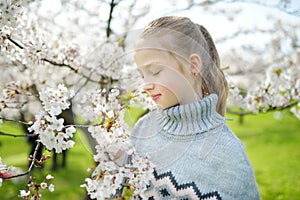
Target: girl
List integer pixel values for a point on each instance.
(195, 153)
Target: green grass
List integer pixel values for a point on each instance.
(272, 146)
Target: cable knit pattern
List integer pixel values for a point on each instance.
(179, 121)
(196, 155)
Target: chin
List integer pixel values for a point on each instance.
(163, 107)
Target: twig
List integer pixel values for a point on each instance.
(28, 172)
(54, 63)
(60, 64)
(17, 135)
(32, 164)
(108, 29)
(16, 121)
(15, 43)
(270, 109)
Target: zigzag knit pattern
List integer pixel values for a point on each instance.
(164, 186)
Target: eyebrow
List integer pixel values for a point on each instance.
(150, 64)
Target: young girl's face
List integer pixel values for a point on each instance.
(164, 78)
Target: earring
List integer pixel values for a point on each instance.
(194, 73)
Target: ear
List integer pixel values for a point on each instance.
(196, 62)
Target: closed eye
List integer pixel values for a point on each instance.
(156, 73)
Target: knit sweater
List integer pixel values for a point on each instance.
(196, 155)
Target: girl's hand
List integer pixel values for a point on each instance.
(119, 156)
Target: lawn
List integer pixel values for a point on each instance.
(272, 145)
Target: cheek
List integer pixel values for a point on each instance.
(175, 84)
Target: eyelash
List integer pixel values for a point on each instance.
(156, 73)
(153, 73)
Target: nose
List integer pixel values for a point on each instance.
(148, 86)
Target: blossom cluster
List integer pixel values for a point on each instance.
(139, 98)
(34, 51)
(119, 166)
(33, 191)
(55, 100)
(280, 89)
(15, 88)
(9, 12)
(50, 129)
(112, 60)
(52, 132)
(71, 52)
(99, 103)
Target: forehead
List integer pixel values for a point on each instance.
(147, 56)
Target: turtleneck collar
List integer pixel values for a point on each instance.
(190, 119)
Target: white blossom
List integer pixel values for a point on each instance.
(24, 193)
(50, 132)
(44, 185)
(141, 99)
(98, 104)
(10, 12)
(49, 177)
(13, 89)
(112, 60)
(108, 176)
(55, 100)
(36, 50)
(51, 188)
(69, 131)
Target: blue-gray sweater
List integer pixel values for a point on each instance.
(195, 153)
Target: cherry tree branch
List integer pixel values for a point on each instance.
(28, 172)
(270, 109)
(55, 63)
(61, 65)
(14, 42)
(16, 121)
(108, 29)
(17, 135)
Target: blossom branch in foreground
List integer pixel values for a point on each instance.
(120, 171)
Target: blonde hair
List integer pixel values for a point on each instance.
(188, 38)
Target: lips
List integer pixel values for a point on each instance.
(155, 97)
